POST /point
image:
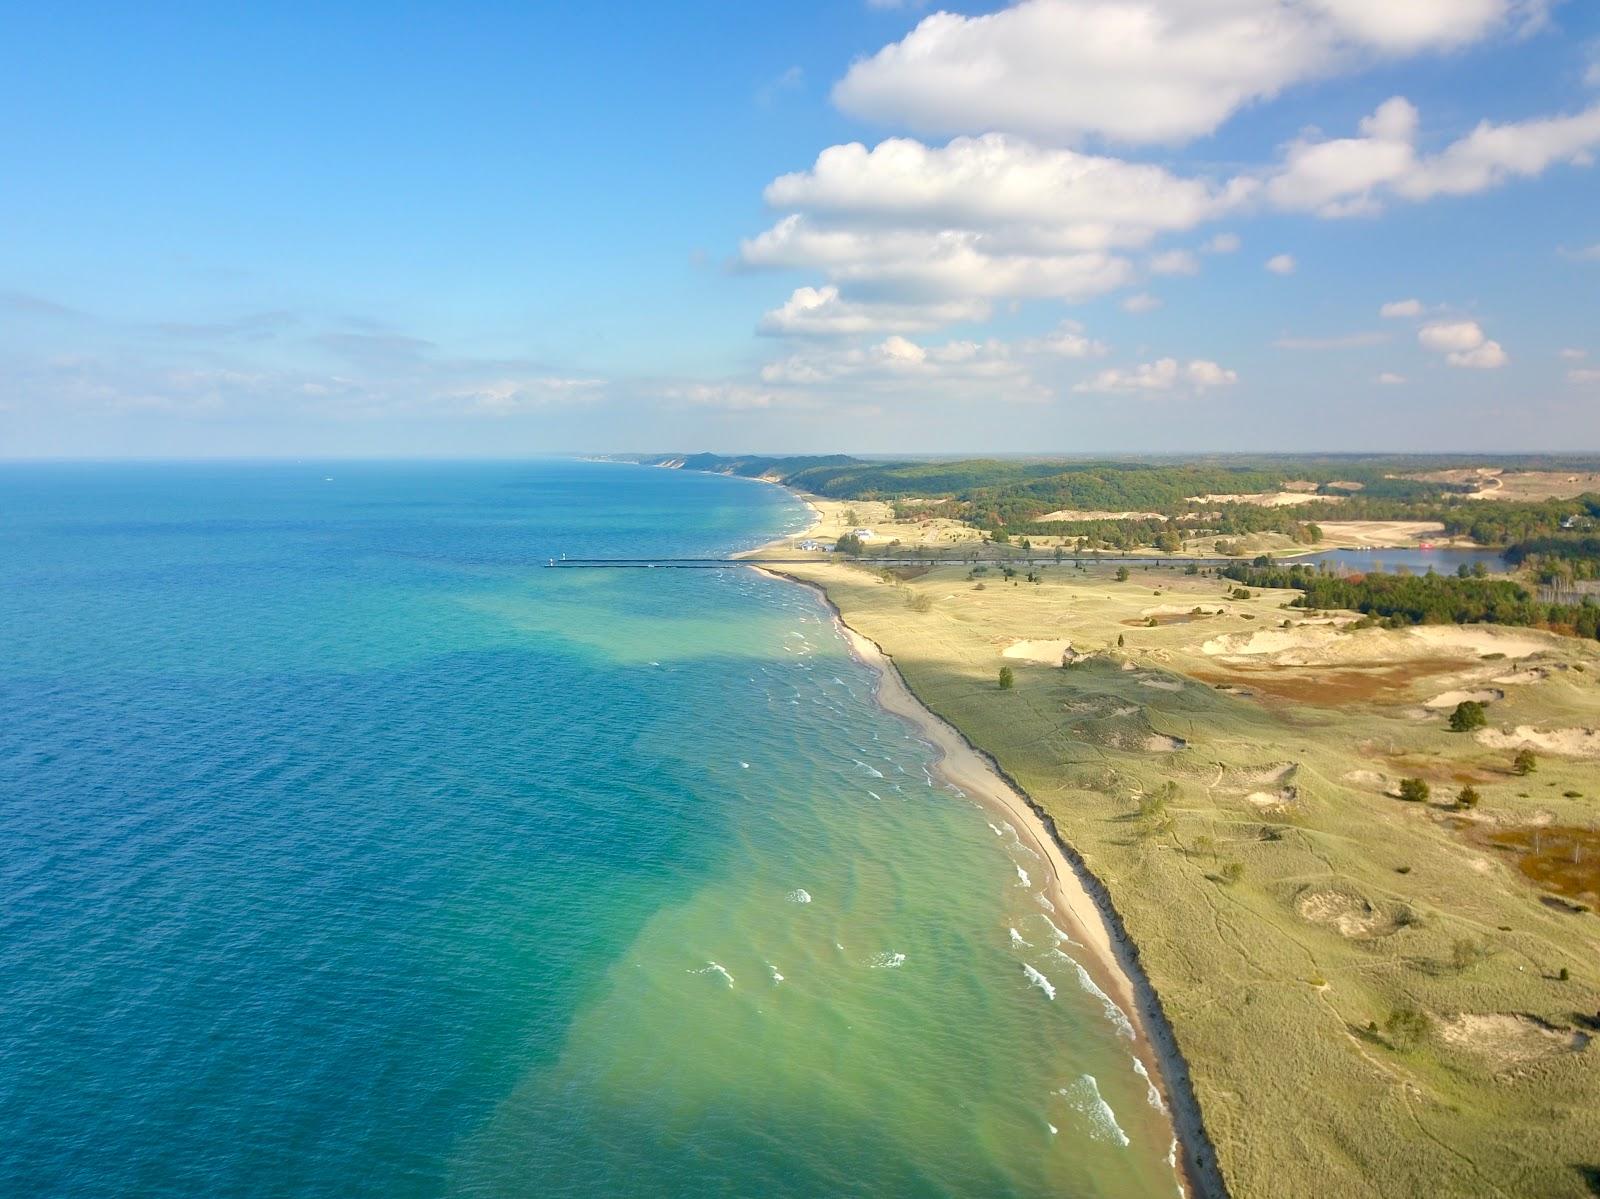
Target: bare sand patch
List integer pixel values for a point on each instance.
(1347, 912)
(1047, 653)
(1449, 699)
(1268, 499)
(1508, 1039)
(1378, 534)
(1572, 743)
(1320, 645)
(1373, 779)
(1072, 514)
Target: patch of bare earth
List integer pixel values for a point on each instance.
(1507, 1040)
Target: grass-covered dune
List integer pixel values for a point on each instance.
(1376, 997)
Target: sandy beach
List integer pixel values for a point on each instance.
(1083, 908)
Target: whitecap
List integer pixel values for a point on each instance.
(887, 961)
(799, 895)
(877, 774)
(1154, 1095)
(1045, 903)
(1022, 877)
(1016, 940)
(776, 976)
(744, 765)
(1039, 980)
(875, 795)
(1084, 1098)
(1113, 1013)
(716, 968)
(1053, 1129)
(994, 830)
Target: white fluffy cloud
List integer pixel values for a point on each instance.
(1401, 308)
(1141, 302)
(1282, 264)
(1165, 374)
(1223, 243)
(1174, 262)
(921, 265)
(1583, 374)
(1390, 379)
(822, 312)
(1140, 70)
(1464, 344)
(1353, 176)
(1050, 197)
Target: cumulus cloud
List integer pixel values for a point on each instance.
(1141, 302)
(1390, 379)
(1281, 264)
(1165, 374)
(1141, 70)
(1067, 340)
(1572, 355)
(1046, 198)
(1464, 344)
(921, 265)
(822, 312)
(896, 360)
(1223, 243)
(1401, 308)
(1583, 374)
(1353, 176)
(1174, 262)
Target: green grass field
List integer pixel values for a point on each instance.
(1369, 992)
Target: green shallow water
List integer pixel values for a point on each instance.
(354, 853)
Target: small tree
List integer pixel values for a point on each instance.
(1232, 873)
(1406, 1027)
(1122, 574)
(1121, 640)
(1008, 679)
(918, 602)
(1468, 798)
(848, 544)
(1524, 762)
(1469, 715)
(1414, 790)
(850, 517)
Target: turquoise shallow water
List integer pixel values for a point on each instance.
(347, 851)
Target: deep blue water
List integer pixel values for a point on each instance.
(346, 851)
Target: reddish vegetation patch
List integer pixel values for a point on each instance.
(1561, 859)
(1332, 686)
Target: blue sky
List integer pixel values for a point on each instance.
(494, 229)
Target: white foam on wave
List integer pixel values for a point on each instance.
(877, 774)
(887, 961)
(1154, 1096)
(1053, 1129)
(799, 895)
(994, 830)
(1114, 1013)
(1084, 1098)
(1045, 903)
(776, 976)
(1039, 980)
(1022, 877)
(875, 795)
(1059, 935)
(744, 765)
(1016, 940)
(714, 968)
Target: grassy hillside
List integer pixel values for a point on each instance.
(1377, 997)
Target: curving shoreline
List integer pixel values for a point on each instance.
(1081, 899)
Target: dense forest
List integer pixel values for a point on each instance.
(1402, 599)
(1012, 494)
